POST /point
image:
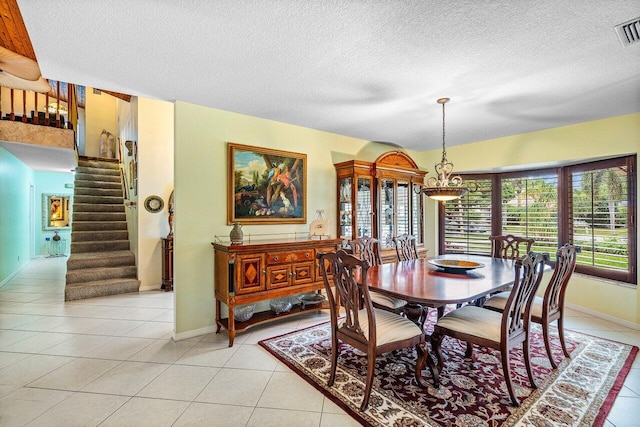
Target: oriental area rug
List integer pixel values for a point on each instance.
(580, 392)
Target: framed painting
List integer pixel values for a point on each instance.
(266, 186)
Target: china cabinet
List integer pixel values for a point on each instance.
(377, 200)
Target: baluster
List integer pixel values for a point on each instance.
(35, 108)
(12, 117)
(58, 104)
(70, 105)
(24, 106)
(46, 109)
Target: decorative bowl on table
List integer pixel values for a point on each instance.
(280, 305)
(242, 313)
(455, 265)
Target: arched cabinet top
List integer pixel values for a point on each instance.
(396, 158)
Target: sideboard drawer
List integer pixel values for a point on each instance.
(290, 256)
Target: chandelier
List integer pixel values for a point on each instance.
(444, 187)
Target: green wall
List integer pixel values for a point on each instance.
(590, 140)
(15, 180)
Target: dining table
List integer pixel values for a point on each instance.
(439, 281)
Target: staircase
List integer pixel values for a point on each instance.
(101, 262)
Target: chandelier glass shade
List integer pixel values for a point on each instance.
(444, 186)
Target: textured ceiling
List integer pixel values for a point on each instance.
(368, 69)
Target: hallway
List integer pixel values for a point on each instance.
(110, 361)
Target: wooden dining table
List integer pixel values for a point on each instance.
(423, 284)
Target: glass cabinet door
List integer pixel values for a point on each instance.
(416, 216)
(386, 213)
(403, 206)
(364, 207)
(345, 208)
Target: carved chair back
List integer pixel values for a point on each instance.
(367, 248)
(348, 288)
(508, 246)
(553, 300)
(517, 313)
(405, 247)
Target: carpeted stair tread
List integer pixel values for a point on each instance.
(116, 245)
(100, 273)
(100, 259)
(98, 171)
(97, 184)
(100, 288)
(90, 191)
(92, 207)
(99, 225)
(98, 178)
(99, 199)
(99, 235)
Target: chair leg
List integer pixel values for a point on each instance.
(527, 362)
(371, 368)
(469, 352)
(423, 353)
(561, 335)
(507, 377)
(436, 346)
(547, 344)
(334, 359)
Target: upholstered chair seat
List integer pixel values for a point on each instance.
(473, 321)
(389, 326)
(387, 302)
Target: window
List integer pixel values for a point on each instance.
(591, 205)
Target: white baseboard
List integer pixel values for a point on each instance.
(194, 333)
(12, 275)
(604, 316)
(150, 288)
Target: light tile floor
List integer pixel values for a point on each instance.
(111, 362)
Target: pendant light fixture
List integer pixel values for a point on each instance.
(443, 186)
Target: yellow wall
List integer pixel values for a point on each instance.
(596, 139)
(201, 192)
(100, 114)
(155, 177)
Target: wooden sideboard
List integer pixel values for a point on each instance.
(263, 270)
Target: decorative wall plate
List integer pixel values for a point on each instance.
(153, 204)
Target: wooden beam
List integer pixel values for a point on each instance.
(13, 32)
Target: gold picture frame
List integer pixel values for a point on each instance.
(266, 186)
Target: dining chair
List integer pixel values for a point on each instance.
(368, 248)
(405, 247)
(550, 307)
(499, 331)
(508, 246)
(368, 329)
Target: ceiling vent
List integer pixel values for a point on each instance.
(629, 32)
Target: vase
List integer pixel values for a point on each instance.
(236, 234)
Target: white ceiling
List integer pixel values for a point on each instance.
(368, 69)
(41, 158)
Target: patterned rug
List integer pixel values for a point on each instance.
(580, 392)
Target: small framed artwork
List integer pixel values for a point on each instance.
(266, 186)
